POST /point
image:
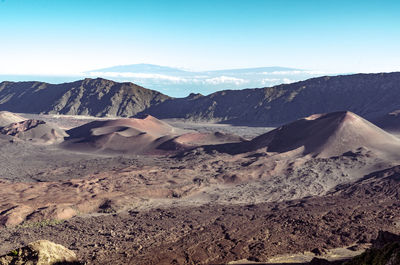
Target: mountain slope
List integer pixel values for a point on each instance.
(368, 95)
(326, 135)
(97, 97)
(390, 122)
(320, 135)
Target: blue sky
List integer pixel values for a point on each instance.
(66, 37)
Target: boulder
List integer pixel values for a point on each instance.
(41, 252)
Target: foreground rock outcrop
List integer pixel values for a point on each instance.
(41, 252)
(385, 251)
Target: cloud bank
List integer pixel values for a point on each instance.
(166, 79)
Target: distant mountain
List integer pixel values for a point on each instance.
(178, 82)
(368, 95)
(141, 68)
(97, 97)
(158, 69)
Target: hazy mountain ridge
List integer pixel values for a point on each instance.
(152, 68)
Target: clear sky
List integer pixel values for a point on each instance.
(70, 36)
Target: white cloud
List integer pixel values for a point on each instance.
(268, 81)
(272, 78)
(287, 81)
(225, 80)
(150, 77)
(276, 81)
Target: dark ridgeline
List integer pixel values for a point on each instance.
(96, 97)
(368, 95)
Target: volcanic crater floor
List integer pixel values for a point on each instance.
(200, 206)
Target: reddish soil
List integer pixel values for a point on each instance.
(322, 182)
(217, 234)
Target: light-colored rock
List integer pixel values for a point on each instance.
(41, 252)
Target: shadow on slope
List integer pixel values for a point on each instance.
(389, 122)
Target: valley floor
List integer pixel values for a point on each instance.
(196, 207)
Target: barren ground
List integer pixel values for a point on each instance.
(197, 208)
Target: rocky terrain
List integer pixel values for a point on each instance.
(385, 250)
(218, 234)
(369, 95)
(322, 185)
